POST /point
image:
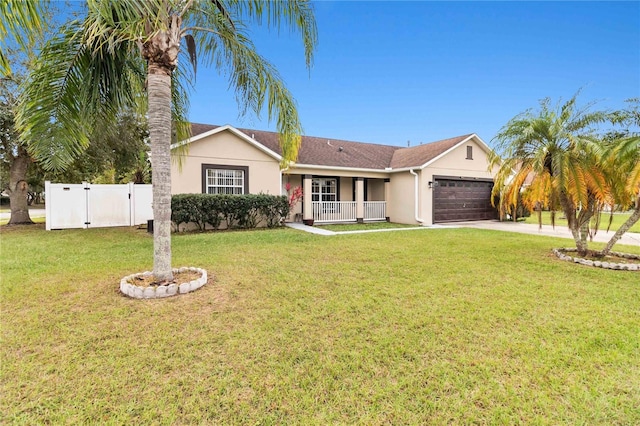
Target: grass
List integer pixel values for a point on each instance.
(342, 227)
(618, 220)
(33, 219)
(440, 326)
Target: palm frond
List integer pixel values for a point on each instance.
(20, 21)
(296, 15)
(73, 85)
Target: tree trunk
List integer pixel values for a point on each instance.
(18, 188)
(584, 234)
(580, 244)
(635, 216)
(572, 222)
(159, 92)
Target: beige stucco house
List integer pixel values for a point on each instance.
(343, 181)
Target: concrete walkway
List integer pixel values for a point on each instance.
(319, 231)
(629, 238)
(311, 229)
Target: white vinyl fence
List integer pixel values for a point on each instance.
(85, 205)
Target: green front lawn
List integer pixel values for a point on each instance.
(33, 219)
(618, 220)
(442, 326)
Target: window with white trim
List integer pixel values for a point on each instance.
(324, 189)
(225, 181)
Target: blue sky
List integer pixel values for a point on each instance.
(391, 72)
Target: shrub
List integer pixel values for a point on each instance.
(273, 210)
(237, 211)
(212, 210)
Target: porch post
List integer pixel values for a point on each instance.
(360, 200)
(307, 206)
(387, 196)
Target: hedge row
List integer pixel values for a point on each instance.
(232, 211)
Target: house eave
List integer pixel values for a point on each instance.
(294, 165)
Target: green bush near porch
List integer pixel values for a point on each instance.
(438, 326)
(233, 211)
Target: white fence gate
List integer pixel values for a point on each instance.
(84, 205)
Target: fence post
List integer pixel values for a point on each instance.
(47, 205)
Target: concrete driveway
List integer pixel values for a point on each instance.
(629, 238)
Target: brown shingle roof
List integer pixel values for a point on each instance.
(421, 154)
(320, 151)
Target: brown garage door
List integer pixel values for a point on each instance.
(459, 200)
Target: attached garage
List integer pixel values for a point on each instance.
(458, 199)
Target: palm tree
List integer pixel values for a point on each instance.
(123, 48)
(622, 163)
(558, 150)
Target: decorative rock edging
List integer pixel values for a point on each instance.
(560, 253)
(160, 291)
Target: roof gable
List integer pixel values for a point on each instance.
(201, 131)
(420, 155)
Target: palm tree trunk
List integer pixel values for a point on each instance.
(159, 92)
(572, 223)
(635, 216)
(18, 188)
(580, 244)
(584, 234)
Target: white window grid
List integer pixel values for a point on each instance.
(323, 189)
(225, 181)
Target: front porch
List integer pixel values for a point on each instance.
(347, 211)
(340, 199)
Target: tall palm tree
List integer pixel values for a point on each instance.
(123, 48)
(557, 150)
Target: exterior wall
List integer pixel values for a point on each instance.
(346, 189)
(401, 206)
(453, 164)
(375, 190)
(294, 181)
(225, 148)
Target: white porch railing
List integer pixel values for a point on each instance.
(345, 211)
(375, 210)
(334, 211)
